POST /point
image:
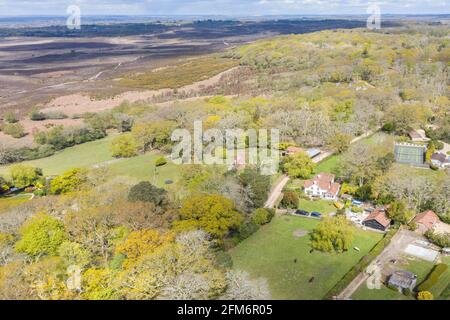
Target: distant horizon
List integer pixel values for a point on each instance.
(223, 15)
(234, 8)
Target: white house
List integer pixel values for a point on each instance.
(323, 186)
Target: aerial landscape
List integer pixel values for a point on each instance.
(272, 151)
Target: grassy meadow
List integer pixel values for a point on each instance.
(98, 152)
(270, 254)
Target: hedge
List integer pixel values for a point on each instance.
(433, 277)
(361, 265)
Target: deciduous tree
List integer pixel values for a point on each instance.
(212, 213)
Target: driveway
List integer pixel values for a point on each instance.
(276, 192)
(394, 250)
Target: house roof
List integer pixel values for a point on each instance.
(415, 135)
(418, 134)
(427, 218)
(379, 215)
(324, 181)
(313, 152)
(403, 279)
(439, 157)
(293, 149)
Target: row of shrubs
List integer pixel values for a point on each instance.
(35, 115)
(61, 138)
(361, 265)
(441, 240)
(433, 277)
(11, 155)
(15, 130)
(258, 218)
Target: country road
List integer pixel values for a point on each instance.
(276, 192)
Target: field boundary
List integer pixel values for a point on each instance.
(358, 268)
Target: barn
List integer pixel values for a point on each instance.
(377, 220)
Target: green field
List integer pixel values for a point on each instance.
(98, 152)
(270, 254)
(330, 165)
(333, 164)
(320, 206)
(143, 168)
(420, 267)
(83, 155)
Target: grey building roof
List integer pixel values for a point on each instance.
(442, 158)
(403, 279)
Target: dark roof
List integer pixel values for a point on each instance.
(379, 216)
(439, 157)
(403, 279)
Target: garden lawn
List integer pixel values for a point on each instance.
(271, 251)
(98, 152)
(143, 168)
(331, 165)
(83, 155)
(321, 206)
(420, 267)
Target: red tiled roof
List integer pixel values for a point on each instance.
(324, 181)
(379, 216)
(427, 218)
(293, 150)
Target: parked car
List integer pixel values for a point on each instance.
(316, 215)
(302, 213)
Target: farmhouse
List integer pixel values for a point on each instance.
(411, 154)
(440, 160)
(323, 186)
(377, 220)
(426, 221)
(402, 280)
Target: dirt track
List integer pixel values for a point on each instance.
(393, 251)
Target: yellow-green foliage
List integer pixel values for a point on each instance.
(298, 165)
(71, 180)
(41, 235)
(425, 295)
(177, 76)
(332, 234)
(24, 176)
(124, 146)
(212, 213)
(142, 242)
